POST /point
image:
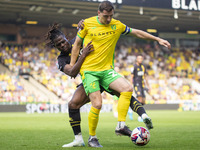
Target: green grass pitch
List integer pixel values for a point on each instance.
(173, 130)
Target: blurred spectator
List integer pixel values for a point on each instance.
(173, 75)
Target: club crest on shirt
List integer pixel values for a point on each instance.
(113, 27)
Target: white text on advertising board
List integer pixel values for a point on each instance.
(183, 4)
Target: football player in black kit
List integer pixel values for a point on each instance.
(139, 80)
(59, 41)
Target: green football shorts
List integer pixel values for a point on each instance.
(93, 79)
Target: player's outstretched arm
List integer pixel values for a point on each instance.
(74, 70)
(75, 50)
(144, 35)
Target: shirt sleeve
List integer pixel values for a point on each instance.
(135, 70)
(145, 70)
(61, 63)
(132, 70)
(125, 29)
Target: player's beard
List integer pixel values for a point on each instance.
(108, 22)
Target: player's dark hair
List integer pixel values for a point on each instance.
(106, 5)
(139, 55)
(53, 33)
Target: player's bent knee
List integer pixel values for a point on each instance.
(97, 105)
(73, 105)
(128, 89)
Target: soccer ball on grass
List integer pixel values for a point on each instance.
(140, 136)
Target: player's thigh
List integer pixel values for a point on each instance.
(140, 99)
(112, 80)
(90, 81)
(121, 85)
(139, 90)
(144, 100)
(112, 92)
(79, 98)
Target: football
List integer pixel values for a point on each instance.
(140, 136)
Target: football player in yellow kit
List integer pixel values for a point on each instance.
(98, 67)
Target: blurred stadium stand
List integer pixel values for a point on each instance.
(31, 75)
(17, 89)
(159, 14)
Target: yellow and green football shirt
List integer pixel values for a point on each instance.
(104, 39)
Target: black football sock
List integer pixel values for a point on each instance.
(75, 120)
(136, 106)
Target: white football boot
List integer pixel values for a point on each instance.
(75, 143)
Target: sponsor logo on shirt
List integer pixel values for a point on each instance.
(102, 33)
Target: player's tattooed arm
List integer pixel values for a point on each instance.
(144, 35)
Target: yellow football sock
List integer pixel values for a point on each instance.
(93, 119)
(123, 105)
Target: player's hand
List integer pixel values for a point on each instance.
(81, 24)
(88, 49)
(164, 43)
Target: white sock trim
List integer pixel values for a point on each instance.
(91, 137)
(79, 137)
(144, 116)
(120, 124)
